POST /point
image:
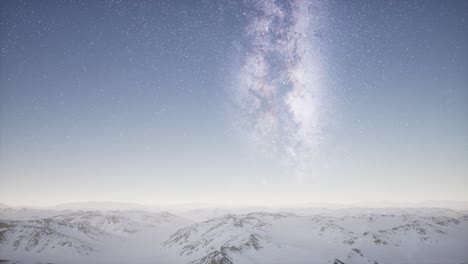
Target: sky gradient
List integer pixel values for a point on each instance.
(233, 102)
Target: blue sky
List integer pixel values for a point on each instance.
(233, 102)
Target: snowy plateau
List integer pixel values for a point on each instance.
(236, 235)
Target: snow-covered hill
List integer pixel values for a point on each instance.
(355, 238)
(301, 235)
(220, 239)
(49, 235)
(72, 236)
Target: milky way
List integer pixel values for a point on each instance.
(281, 82)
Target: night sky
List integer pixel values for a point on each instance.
(233, 102)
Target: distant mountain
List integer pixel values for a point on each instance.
(100, 206)
(455, 205)
(121, 223)
(3, 206)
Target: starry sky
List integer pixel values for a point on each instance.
(233, 102)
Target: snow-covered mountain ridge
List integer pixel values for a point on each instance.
(281, 238)
(364, 235)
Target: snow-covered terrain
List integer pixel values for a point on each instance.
(241, 235)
